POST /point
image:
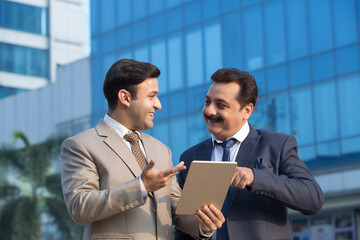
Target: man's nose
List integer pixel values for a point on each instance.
(157, 104)
(210, 110)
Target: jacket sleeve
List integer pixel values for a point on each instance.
(291, 183)
(84, 199)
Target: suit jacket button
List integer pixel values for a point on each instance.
(127, 207)
(122, 209)
(154, 210)
(131, 205)
(136, 203)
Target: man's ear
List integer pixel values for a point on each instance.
(124, 97)
(248, 109)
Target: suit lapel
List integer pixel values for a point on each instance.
(205, 152)
(117, 144)
(247, 150)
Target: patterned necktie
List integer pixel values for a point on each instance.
(133, 138)
(222, 233)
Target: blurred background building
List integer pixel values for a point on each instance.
(304, 55)
(35, 37)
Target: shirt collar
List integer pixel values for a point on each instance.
(239, 136)
(118, 127)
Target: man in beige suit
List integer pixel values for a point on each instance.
(120, 182)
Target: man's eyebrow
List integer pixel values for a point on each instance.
(220, 100)
(154, 92)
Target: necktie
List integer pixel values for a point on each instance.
(133, 138)
(222, 233)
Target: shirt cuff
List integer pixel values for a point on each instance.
(143, 189)
(205, 234)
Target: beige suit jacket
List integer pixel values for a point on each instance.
(101, 186)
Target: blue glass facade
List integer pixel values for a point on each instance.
(305, 61)
(24, 60)
(25, 18)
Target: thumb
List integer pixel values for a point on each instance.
(149, 166)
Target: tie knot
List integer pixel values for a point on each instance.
(228, 143)
(132, 137)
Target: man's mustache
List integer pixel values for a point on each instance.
(214, 118)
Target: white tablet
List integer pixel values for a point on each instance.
(207, 182)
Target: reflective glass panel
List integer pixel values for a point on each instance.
(323, 66)
(351, 150)
(253, 38)
(160, 131)
(140, 31)
(23, 17)
(233, 41)
(174, 19)
(196, 98)
(276, 78)
(97, 79)
(260, 81)
(320, 25)
(158, 58)
(177, 103)
(126, 53)
(259, 116)
(328, 154)
(230, 5)
(278, 113)
(157, 25)
(178, 137)
(175, 62)
(141, 53)
(95, 46)
(326, 122)
(172, 3)
(213, 51)
(197, 129)
(123, 37)
(308, 155)
(249, 2)
(297, 31)
(156, 6)
(194, 57)
(94, 15)
(107, 15)
(349, 99)
(345, 15)
(211, 8)
(24, 60)
(108, 42)
(123, 12)
(347, 60)
(139, 9)
(274, 32)
(164, 112)
(192, 13)
(299, 72)
(302, 116)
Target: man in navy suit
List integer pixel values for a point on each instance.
(269, 177)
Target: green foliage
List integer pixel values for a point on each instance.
(29, 190)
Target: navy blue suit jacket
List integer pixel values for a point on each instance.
(281, 180)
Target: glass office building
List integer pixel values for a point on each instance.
(304, 55)
(35, 37)
(19, 59)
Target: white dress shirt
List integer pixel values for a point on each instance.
(218, 149)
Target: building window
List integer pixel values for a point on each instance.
(23, 17)
(24, 60)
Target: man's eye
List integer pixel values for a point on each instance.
(220, 105)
